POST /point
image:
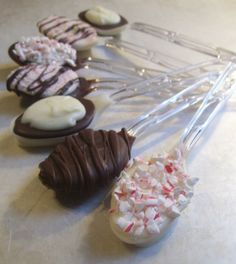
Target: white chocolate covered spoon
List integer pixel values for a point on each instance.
(150, 195)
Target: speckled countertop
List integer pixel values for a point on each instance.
(36, 227)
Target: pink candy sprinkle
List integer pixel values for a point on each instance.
(166, 190)
(128, 228)
(168, 168)
(156, 216)
(172, 186)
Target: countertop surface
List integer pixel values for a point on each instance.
(38, 227)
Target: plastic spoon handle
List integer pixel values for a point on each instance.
(154, 56)
(161, 112)
(179, 74)
(184, 41)
(213, 102)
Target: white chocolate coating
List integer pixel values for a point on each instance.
(42, 50)
(54, 113)
(78, 34)
(148, 198)
(102, 16)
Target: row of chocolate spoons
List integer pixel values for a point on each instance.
(91, 159)
(167, 61)
(42, 50)
(28, 50)
(39, 45)
(150, 195)
(43, 87)
(38, 127)
(63, 41)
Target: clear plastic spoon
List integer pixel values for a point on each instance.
(185, 41)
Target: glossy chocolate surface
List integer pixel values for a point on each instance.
(14, 57)
(25, 130)
(86, 161)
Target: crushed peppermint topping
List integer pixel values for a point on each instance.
(42, 50)
(147, 193)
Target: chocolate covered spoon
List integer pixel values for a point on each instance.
(42, 50)
(151, 194)
(92, 159)
(35, 81)
(164, 88)
(78, 34)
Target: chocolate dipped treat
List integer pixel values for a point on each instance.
(86, 161)
(78, 34)
(39, 81)
(49, 120)
(42, 50)
(105, 21)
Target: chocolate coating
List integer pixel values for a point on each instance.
(83, 85)
(25, 130)
(14, 57)
(78, 34)
(86, 161)
(122, 22)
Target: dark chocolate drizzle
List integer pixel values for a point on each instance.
(40, 24)
(86, 161)
(15, 57)
(83, 86)
(85, 31)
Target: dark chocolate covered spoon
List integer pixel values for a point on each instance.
(91, 159)
(86, 161)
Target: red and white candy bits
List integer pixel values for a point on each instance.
(148, 197)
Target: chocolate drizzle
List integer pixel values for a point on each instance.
(37, 88)
(68, 30)
(14, 57)
(44, 21)
(86, 161)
